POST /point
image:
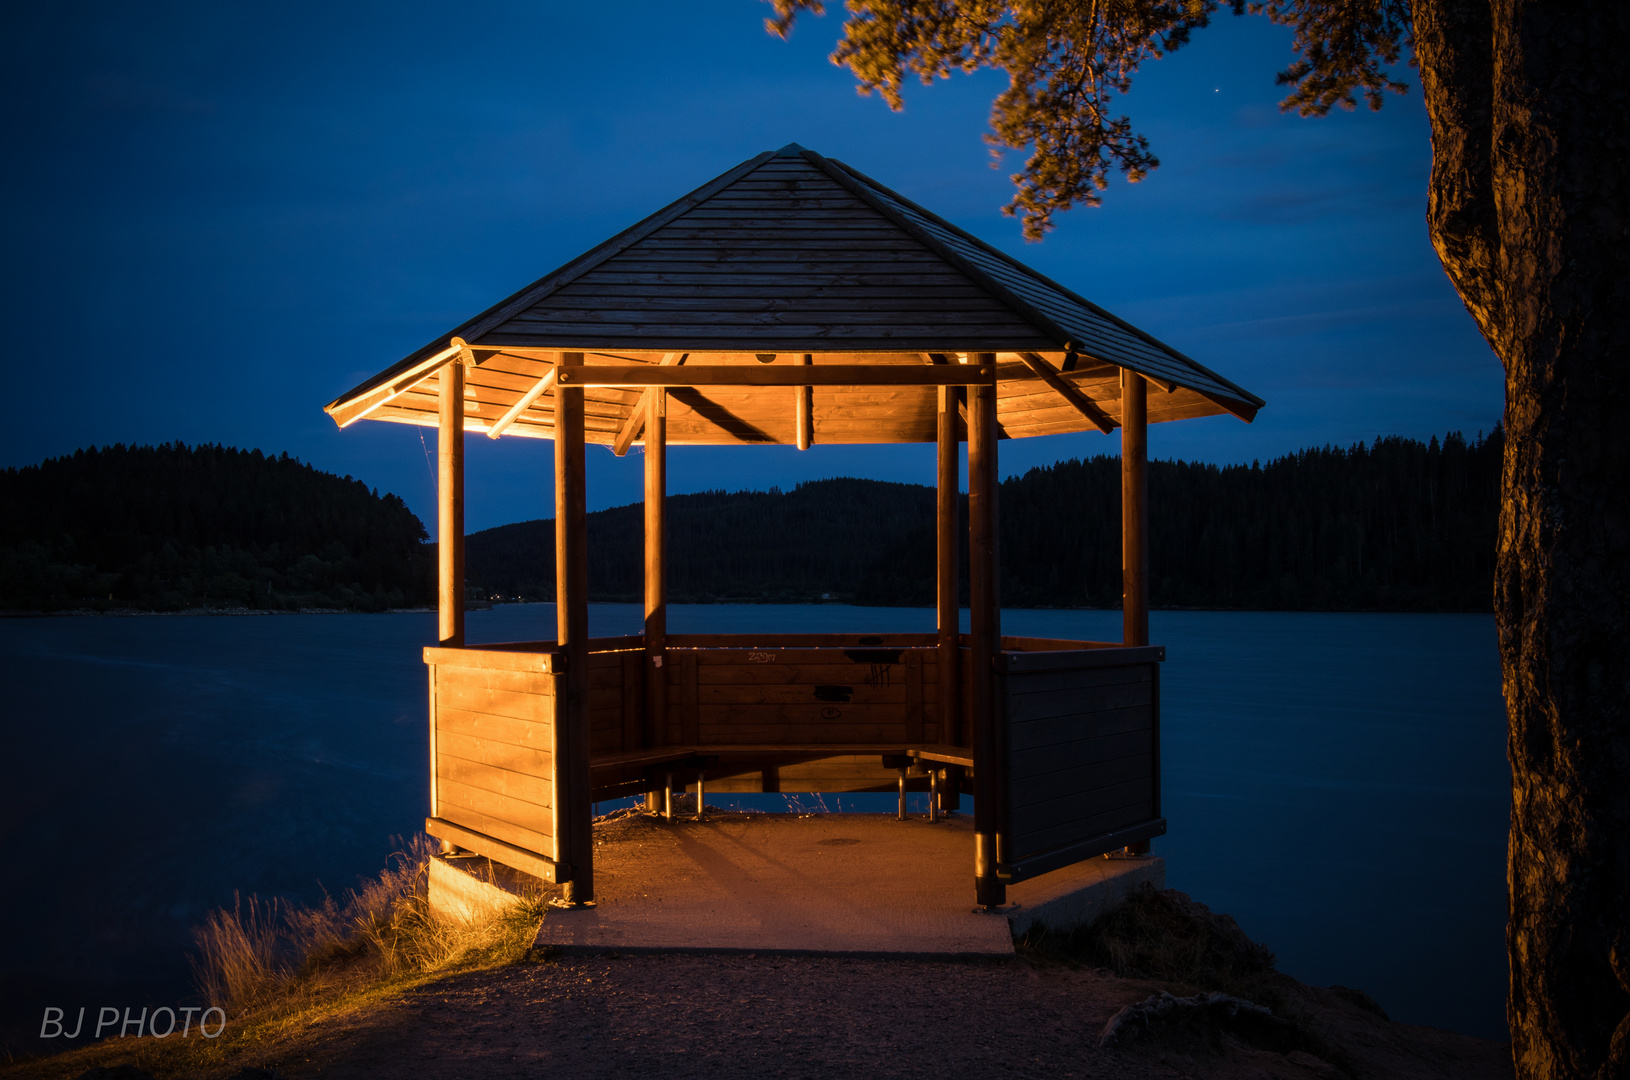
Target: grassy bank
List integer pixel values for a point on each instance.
(279, 970)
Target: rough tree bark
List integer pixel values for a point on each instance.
(1530, 212)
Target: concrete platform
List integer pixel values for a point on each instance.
(469, 888)
(829, 884)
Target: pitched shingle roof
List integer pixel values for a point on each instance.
(792, 252)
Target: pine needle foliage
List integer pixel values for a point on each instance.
(1068, 61)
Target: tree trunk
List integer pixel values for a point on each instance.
(1530, 214)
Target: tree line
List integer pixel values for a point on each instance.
(1393, 525)
(162, 528)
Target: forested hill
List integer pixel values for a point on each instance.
(1394, 525)
(170, 527)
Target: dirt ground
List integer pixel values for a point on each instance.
(818, 1018)
(763, 1016)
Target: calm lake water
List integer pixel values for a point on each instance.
(1336, 782)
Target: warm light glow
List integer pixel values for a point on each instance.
(423, 370)
(543, 386)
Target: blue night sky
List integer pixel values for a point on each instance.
(219, 217)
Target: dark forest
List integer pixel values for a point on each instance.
(170, 527)
(1396, 525)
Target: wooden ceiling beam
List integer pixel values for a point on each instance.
(636, 418)
(524, 402)
(804, 411)
(347, 413)
(1069, 392)
(799, 375)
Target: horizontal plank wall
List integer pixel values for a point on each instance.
(803, 697)
(1082, 757)
(494, 774)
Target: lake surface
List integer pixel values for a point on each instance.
(1336, 782)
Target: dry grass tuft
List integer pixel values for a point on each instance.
(260, 951)
(278, 968)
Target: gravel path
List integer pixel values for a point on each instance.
(818, 1018)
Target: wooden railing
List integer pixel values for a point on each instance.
(1078, 722)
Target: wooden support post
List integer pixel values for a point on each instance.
(902, 793)
(947, 498)
(450, 509)
(668, 796)
(656, 565)
(1134, 509)
(806, 411)
(576, 838)
(701, 795)
(985, 638)
(934, 794)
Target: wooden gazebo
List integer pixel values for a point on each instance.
(793, 300)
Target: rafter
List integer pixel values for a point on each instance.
(636, 419)
(540, 388)
(1069, 392)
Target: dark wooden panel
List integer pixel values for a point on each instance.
(1059, 813)
(689, 705)
(897, 696)
(1035, 863)
(851, 673)
(1026, 764)
(800, 641)
(633, 703)
(608, 701)
(876, 736)
(914, 697)
(801, 719)
(1032, 682)
(1082, 776)
(1029, 843)
(1069, 728)
(1014, 662)
(1049, 704)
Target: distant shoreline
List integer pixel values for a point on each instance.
(126, 613)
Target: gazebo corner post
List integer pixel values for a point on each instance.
(804, 414)
(1135, 525)
(985, 639)
(947, 497)
(1134, 508)
(656, 575)
(450, 508)
(575, 841)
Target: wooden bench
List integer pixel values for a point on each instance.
(703, 756)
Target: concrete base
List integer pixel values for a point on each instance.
(469, 888)
(1077, 895)
(831, 884)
